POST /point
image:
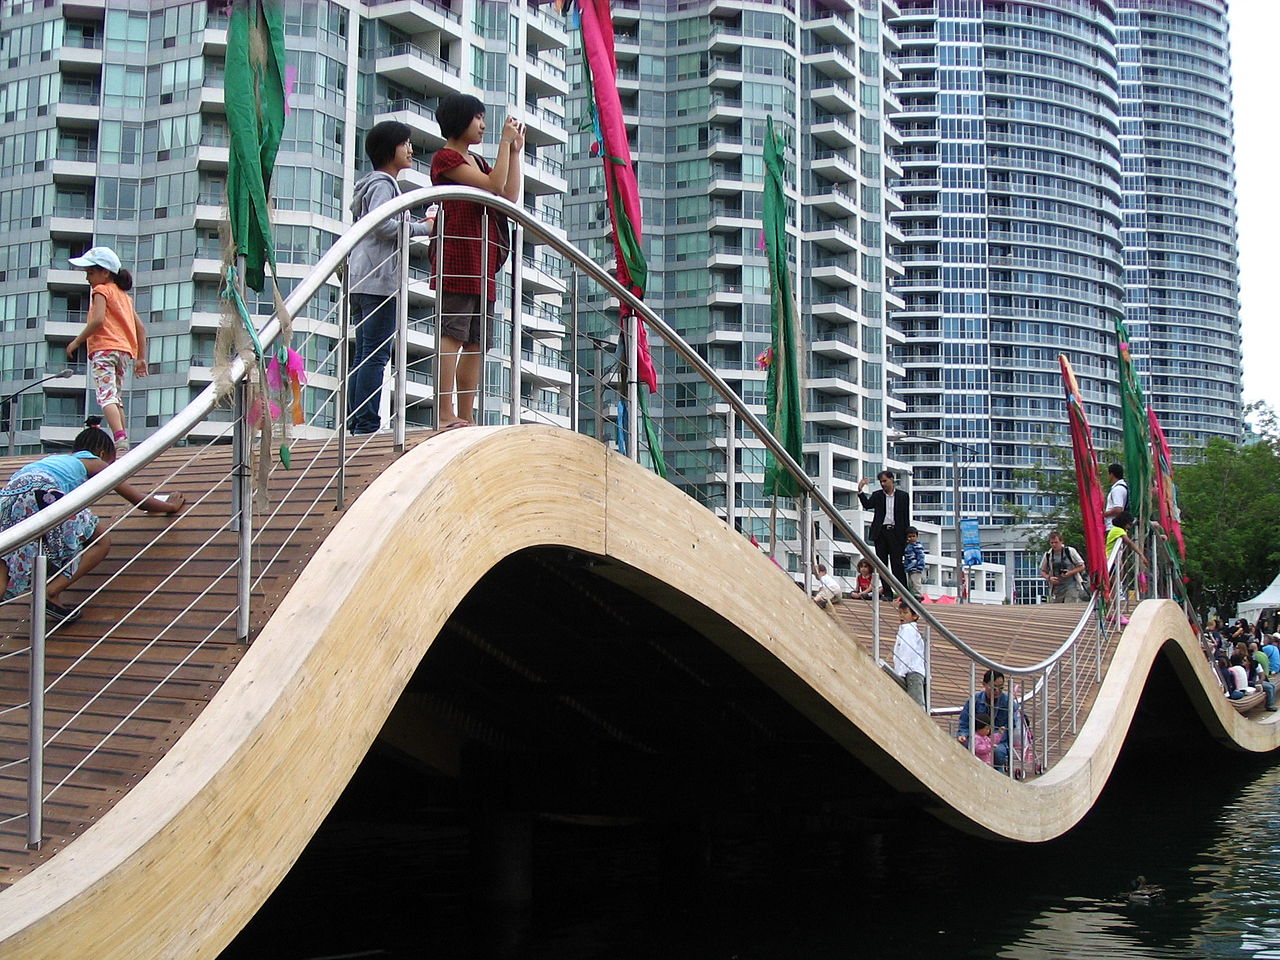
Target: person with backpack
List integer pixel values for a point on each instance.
(1062, 567)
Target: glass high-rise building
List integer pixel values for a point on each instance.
(1065, 164)
(113, 131)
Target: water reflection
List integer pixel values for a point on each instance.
(392, 881)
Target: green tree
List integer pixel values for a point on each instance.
(1230, 502)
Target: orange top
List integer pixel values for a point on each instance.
(118, 331)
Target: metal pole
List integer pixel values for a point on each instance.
(599, 387)
(875, 614)
(517, 243)
(633, 386)
(35, 722)
(484, 320)
(575, 378)
(1044, 721)
(13, 424)
(242, 521)
(439, 270)
(807, 555)
(730, 468)
(402, 337)
(973, 706)
(955, 493)
(344, 332)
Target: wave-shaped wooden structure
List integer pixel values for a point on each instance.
(181, 862)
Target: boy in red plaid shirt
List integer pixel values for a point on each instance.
(464, 330)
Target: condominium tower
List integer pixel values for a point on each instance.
(1066, 163)
(113, 131)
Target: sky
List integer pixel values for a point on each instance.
(1255, 24)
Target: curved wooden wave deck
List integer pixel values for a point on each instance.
(182, 860)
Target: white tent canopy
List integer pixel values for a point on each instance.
(1269, 597)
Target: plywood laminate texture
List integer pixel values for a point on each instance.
(176, 861)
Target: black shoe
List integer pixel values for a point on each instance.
(57, 613)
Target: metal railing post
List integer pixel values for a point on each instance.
(438, 266)
(730, 468)
(1044, 720)
(243, 507)
(807, 555)
(973, 706)
(484, 323)
(35, 720)
(344, 387)
(402, 338)
(517, 243)
(575, 380)
(875, 614)
(633, 386)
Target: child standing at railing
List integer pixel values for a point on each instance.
(114, 334)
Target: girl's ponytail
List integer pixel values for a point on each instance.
(124, 279)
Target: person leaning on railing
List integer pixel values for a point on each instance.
(74, 546)
(374, 272)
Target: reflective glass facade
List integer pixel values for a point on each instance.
(113, 131)
(1047, 191)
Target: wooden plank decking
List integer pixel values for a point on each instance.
(156, 643)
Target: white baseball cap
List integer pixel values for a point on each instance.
(103, 257)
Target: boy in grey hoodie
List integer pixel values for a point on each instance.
(374, 272)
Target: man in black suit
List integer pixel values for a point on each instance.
(889, 521)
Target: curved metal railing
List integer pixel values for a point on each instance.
(1095, 623)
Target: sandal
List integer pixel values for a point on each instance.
(455, 425)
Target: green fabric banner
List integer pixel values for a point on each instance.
(1137, 435)
(784, 416)
(254, 87)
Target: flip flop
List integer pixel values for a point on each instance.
(455, 425)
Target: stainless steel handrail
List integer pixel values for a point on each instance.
(182, 422)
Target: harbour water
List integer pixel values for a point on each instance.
(387, 878)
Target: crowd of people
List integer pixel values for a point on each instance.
(1246, 658)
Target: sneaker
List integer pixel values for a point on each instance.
(57, 613)
(122, 446)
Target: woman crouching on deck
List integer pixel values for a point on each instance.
(73, 546)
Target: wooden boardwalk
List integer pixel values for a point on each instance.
(154, 646)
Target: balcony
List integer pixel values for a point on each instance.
(831, 62)
(74, 171)
(543, 126)
(545, 29)
(834, 133)
(543, 175)
(415, 67)
(545, 78)
(837, 202)
(414, 17)
(420, 118)
(833, 166)
(835, 98)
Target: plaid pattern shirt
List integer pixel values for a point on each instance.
(462, 251)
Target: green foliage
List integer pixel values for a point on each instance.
(1230, 501)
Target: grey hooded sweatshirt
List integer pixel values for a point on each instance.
(374, 267)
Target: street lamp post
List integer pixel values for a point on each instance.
(12, 398)
(955, 445)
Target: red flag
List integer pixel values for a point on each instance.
(1092, 503)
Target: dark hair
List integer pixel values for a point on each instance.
(886, 473)
(911, 530)
(990, 675)
(380, 143)
(455, 113)
(863, 560)
(982, 719)
(903, 605)
(822, 568)
(1116, 471)
(93, 439)
(1123, 520)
